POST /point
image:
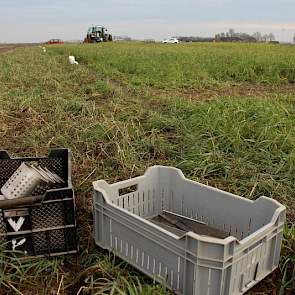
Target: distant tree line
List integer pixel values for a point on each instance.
(232, 36)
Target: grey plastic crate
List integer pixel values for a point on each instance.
(192, 263)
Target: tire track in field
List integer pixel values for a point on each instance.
(6, 49)
(233, 91)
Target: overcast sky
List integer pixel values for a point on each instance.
(38, 20)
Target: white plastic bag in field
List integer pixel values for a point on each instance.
(72, 60)
(44, 49)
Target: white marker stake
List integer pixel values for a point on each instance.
(72, 60)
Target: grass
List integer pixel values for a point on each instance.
(188, 65)
(108, 112)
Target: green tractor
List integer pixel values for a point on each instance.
(96, 34)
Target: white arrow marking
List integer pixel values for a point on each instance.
(16, 225)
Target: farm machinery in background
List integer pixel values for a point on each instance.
(96, 34)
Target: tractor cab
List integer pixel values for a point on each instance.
(96, 34)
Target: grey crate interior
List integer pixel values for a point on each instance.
(190, 264)
(49, 228)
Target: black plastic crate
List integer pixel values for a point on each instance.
(47, 228)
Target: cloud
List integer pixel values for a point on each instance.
(35, 20)
(255, 26)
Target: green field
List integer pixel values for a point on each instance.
(189, 65)
(223, 113)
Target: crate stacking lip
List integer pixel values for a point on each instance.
(189, 263)
(46, 228)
